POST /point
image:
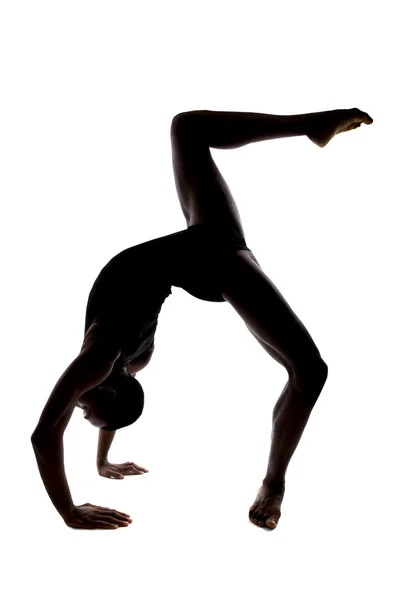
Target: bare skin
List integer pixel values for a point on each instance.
(82, 378)
(89, 369)
(205, 197)
(333, 123)
(119, 470)
(113, 470)
(266, 508)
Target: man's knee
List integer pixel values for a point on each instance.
(181, 125)
(311, 373)
(188, 126)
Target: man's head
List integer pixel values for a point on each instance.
(117, 403)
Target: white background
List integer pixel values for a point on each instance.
(88, 93)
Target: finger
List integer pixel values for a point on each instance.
(92, 524)
(127, 469)
(111, 511)
(100, 524)
(117, 514)
(140, 468)
(108, 510)
(121, 521)
(368, 120)
(131, 471)
(132, 464)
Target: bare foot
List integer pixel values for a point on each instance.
(266, 509)
(329, 123)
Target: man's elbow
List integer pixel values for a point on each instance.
(37, 438)
(41, 438)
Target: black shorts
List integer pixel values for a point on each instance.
(203, 259)
(227, 239)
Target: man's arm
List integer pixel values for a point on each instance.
(88, 370)
(113, 470)
(104, 444)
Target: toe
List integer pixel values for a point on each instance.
(257, 519)
(261, 523)
(272, 521)
(365, 118)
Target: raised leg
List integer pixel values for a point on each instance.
(203, 192)
(280, 332)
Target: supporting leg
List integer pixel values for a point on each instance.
(289, 418)
(281, 333)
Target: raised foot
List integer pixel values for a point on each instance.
(266, 509)
(330, 123)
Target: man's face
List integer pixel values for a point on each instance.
(91, 403)
(94, 419)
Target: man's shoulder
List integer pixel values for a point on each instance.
(99, 338)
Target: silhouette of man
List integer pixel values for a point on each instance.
(211, 261)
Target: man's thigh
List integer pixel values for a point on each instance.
(263, 308)
(203, 192)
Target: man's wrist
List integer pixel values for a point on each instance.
(67, 513)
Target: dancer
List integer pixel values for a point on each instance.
(211, 261)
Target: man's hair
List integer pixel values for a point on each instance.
(127, 406)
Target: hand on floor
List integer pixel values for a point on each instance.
(114, 471)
